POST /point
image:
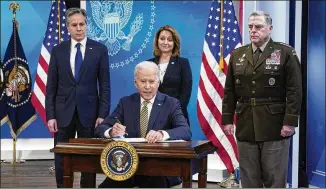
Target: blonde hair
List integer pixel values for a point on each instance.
(176, 41)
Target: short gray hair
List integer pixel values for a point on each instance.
(147, 64)
(268, 18)
(75, 10)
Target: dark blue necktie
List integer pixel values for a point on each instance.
(78, 61)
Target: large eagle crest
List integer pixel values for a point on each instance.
(119, 160)
(111, 17)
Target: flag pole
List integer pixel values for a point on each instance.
(14, 6)
(221, 62)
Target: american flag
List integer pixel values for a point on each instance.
(56, 32)
(221, 37)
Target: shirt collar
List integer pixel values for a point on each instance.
(82, 42)
(261, 47)
(151, 100)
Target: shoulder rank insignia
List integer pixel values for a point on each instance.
(285, 44)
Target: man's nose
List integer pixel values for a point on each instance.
(147, 85)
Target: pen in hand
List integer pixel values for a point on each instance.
(118, 121)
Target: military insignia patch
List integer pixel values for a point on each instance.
(119, 160)
(271, 81)
(268, 67)
(275, 58)
(242, 58)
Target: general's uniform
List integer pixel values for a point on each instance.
(265, 95)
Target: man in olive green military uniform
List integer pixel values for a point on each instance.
(263, 88)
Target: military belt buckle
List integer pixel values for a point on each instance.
(253, 101)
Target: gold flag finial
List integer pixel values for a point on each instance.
(14, 6)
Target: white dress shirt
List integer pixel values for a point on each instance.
(162, 68)
(73, 52)
(166, 135)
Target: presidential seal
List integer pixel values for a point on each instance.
(119, 160)
(17, 82)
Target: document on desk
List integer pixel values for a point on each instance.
(130, 139)
(144, 140)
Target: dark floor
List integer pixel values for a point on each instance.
(36, 174)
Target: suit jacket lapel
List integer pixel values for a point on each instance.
(88, 49)
(136, 106)
(66, 60)
(156, 108)
(266, 53)
(171, 67)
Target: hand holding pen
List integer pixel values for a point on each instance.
(118, 130)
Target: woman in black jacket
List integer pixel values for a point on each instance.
(175, 71)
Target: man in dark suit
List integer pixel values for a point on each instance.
(78, 68)
(263, 87)
(148, 114)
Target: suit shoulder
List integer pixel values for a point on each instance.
(61, 45)
(241, 48)
(96, 43)
(284, 45)
(169, 99)
(151, 59)
(60, 48)
(183, 59)
(129, 97)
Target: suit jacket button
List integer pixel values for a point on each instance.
(253, 92)
(253, 82)
(253, 73)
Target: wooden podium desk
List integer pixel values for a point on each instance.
(160, 159)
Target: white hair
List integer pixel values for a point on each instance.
(145, 65)
(268, 18)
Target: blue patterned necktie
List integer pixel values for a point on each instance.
(78, 61)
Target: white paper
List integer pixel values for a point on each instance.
(144, 140)
(130, 139)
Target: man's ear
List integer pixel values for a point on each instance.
(271, 28)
